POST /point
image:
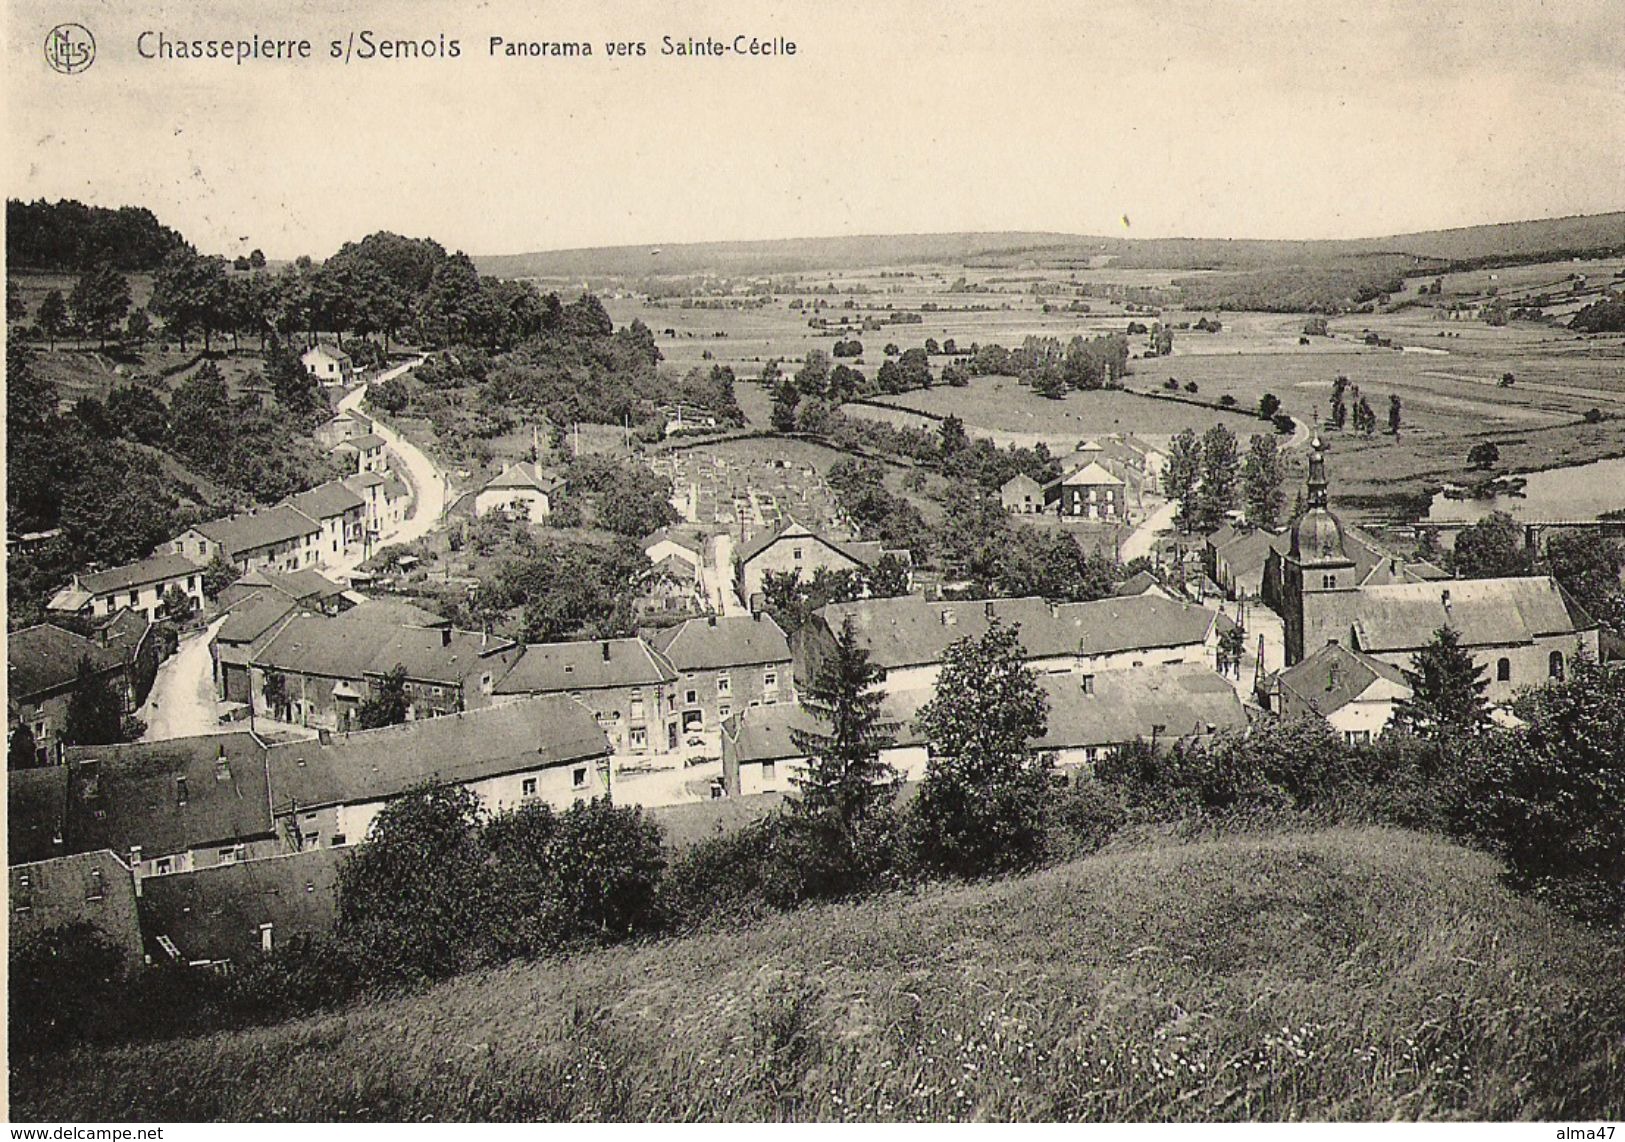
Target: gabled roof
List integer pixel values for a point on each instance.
(325, 501)
(133, 795)
(364, 442)
(718, 642)
(862, 554)
(1092, 474)
(600, 664)
(250, 531)
(36, 813)
(677, 567)
(1248, 549)
(215, 913)
(353, 769)
(525, 475)
(1020, 482)
(911, 631)
(332, 351)
(1483, 612)
(681, 539)
(302, 585)
(430, 655)
(332, 648)
(153, 569)
(1334, 676)
(364, 480)
(1137, 584)
(253, 616)
(43, 658)
(385, 609)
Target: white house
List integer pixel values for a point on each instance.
(523, 489)
(328, 364)
(1354, 692)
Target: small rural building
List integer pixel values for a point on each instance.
(1354, 692)
(93, 888)
(316, 672)
(342, 427)
(630, 689)
(670, 543)
(234, 913)
(522, 489)
(1022, 495)
(340, 511)
(1141, 583)
(170, 806)
(670, 590)
(1089, 492)
(795, 548)
(282, 538)
(328, 364)
(252, 621)
(724, 665)
(548, 749)
(1235, 558)
(42, 673)
(138, 586)
(365, 451)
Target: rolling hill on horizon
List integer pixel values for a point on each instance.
(1512, 241)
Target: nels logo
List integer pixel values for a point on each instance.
(70, 48)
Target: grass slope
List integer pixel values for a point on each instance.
(1346, 973)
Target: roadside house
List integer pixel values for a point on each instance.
(525, 490)
(724, 665)
(280, 538)
(137, 586)
(629, 688)
(328, 364)
(42, 672)
(1354, 692)
(1022, 495)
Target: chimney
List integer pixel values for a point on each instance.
(324, 736)
(987, 609)
(605, 647)
(265, 939)
(710, 620)
(445, 636)
(948, 618)
(1444, 597)
(135, 867)
(180, 790)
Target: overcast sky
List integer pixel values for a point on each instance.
(1212, 118)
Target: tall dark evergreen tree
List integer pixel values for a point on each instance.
(95, 712)
(845, 782)
(1447, 690)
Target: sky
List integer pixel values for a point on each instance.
(1207, 118)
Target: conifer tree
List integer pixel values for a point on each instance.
(1447, 690)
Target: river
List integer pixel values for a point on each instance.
(1583, 491)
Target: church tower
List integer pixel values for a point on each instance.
(1316, 565)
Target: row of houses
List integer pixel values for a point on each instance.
(42, 673)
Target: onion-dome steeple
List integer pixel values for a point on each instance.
(1317, 535)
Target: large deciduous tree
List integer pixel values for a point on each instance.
(1263, 478)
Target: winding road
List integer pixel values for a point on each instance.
(428, 480)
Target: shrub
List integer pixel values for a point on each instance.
(1081, 817)
(728, 878)
(62, 979)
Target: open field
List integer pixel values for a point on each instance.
(1361, 974)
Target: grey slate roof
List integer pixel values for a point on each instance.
(599, 664)
(153, 569)
(718, 642)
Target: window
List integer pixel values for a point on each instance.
(313, 840)
(693, 698)
(724, 684)
(527, 787)
(1503, 670)
(579, 777)
(770, 680)
(162, 866)
(640, 737)
(1554, 665)
(94, 891)
(798, 555)
(1088, 683)
(23, 899)
(486, 683)
(769, 770)
(724, 710)
(1328, 581)
(339, 839)
(227, 855)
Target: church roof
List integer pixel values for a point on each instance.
(1483, 612)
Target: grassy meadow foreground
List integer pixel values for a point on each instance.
(1344, 973)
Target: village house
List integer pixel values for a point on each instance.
(1235, 558)
(231, 914)
(316, 672)
(171, 806)
(1354, 692)
(1089, 492)
(630, 689)
(341, 513)
(908, 637)
(1523, 631)
(1141, 583)
(42, 674)
(1089, 716)
(93, 888)
(523, 489)
(328, 364)
(1022, 495)
(275, 539)
(798, 549)
(365, 451)
(342, 427)
(669, 543)
(139, 586)
(312, 589)
(252, 621)
(549, 750)
(668, 591)
(36, 813)
(386, 501)
(724, 665)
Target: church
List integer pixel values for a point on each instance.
(1330, 588)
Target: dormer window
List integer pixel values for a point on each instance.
(180, 790)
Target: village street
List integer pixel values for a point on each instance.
(182, 701)
(718, 578)
(429, 482)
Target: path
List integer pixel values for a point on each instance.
(719, 580)
(182, 701)
(1141, 540)
(428, 480)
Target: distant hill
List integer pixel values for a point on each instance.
(1357, 974)
(1509, 241)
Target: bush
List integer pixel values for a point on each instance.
(62, 980)
(1081, 817)
(728, 878)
